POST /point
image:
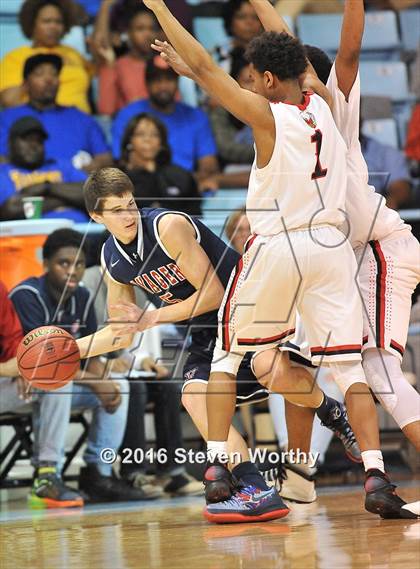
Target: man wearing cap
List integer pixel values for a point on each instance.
(189, 132)
(72, 134)
(29, 174)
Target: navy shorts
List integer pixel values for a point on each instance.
(198, 364)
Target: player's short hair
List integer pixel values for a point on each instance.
(281, 54)
(232, 221)
(102, 184)
(320, 62)
(62, 238)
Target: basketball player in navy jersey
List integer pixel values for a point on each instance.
(183, 267)
(295, 197)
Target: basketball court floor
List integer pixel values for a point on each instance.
(333, 533)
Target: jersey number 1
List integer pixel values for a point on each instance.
(319, 171)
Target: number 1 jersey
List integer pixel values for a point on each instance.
(304, 184)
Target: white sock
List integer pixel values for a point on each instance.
(217, 450)
(373, 459)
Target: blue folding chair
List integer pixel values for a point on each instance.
(410, 28)
(210, 32)
(380, 39)
(389, 79)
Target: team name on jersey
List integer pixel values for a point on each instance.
(160, 280)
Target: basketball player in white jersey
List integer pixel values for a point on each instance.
(297, 258)
(388, 254)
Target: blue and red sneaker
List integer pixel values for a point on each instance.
(249, 504)
(218, 482)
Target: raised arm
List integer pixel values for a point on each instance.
(271, 20)
(347, 60)
(248, 107)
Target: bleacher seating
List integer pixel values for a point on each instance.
(320, 30)
(210, 32)
(384, 131)
(388, 79)
(410, 26)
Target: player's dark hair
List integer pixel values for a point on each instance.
(164, 154)
(320, 62)
(281, 54)
(29, 12)
(104, 183)
(229, 10)
(62, 238)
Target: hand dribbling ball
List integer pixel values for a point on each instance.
(48, 357)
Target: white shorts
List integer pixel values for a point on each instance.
(388, 274)
(309, 271)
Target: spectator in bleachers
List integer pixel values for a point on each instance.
(51, 414)
(57, 298)
(146, 159)
(122, 79)
(189, 132)
(234, 139)
(412, 148)
(72, 134)
(242, 25)
(28, 173)
(45, 22)
(238, 229)
(388, 171)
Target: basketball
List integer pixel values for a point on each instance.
(48, 357)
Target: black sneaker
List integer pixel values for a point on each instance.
(107, 488)
(381, 497)
(219, 483)
(49, 491)
(338, 423)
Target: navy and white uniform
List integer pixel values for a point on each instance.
(147, 264)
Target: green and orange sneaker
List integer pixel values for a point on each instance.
(49, 491)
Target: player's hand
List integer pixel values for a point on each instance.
(153, 4)
(172, 58)
(149, 364)
(131, 318)
(24, 389)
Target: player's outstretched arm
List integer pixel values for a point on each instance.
(269, 17)
(248, 107)
(107, 340)
(347, 60)
(179, 239)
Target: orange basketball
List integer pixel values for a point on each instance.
(48, 357)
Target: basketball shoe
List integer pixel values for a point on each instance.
(381, 497)
(249, 504)
(337, 421)
(291, 482)
(219, 483)
(411, 511)
(49, 491)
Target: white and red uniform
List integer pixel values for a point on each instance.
(297, 258)
(388, 255)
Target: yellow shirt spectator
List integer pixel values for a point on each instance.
(74, 77)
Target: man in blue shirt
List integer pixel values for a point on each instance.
(388, 171)
(189, 132)
(57, 298)
(28, 173)
(72, 134)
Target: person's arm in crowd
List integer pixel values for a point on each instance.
(179, 239)
(224, 131)
(12, 208)
(11, 334)
(348, 56)
(99, 161)
(207, 166)
(101, 37)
